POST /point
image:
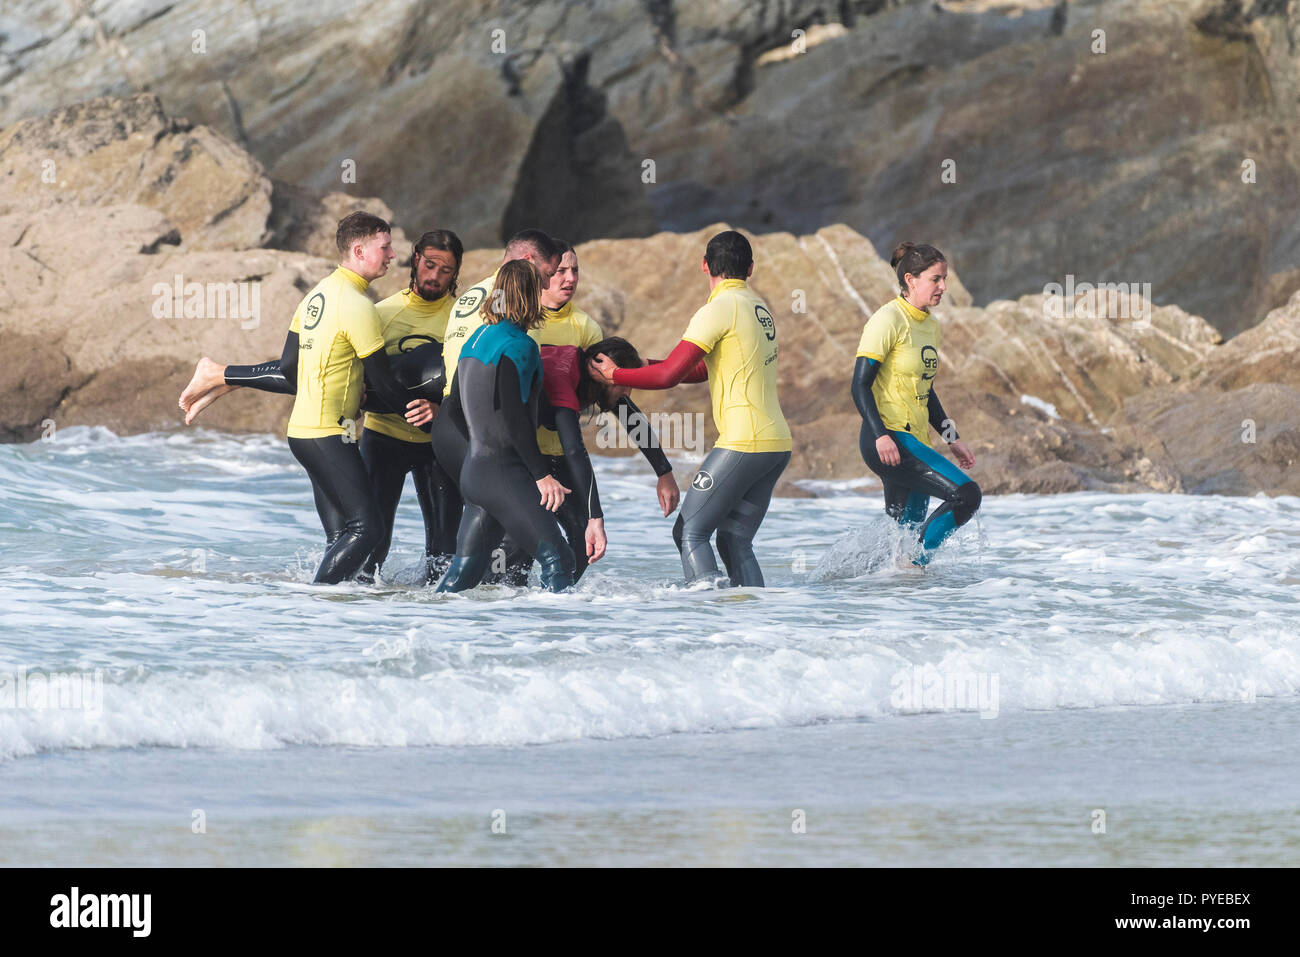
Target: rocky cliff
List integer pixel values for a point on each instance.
(1147, 141)
(102, 251)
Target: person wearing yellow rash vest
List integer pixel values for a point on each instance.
(530, 244)
(893, 388)
(735, 334)
(412, 323)
(339, 341)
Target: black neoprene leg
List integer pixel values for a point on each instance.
(477, 535)
(503, 487)
(387, 464)
(339, 478)
(572, 516)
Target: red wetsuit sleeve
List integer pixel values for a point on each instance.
(680, 363)
(699, 374)
(560, 375)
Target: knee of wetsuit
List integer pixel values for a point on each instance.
(369, 533)
(733, 540)
(967, 500)
(557, 566)
(677, 532)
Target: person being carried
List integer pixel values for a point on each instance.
(735, 334)
(568, 392)
(567, 325)
(413, 322)
(893, 388)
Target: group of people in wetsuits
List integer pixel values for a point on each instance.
(478, 395)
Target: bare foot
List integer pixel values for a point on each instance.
(206, 399)
(207, 376)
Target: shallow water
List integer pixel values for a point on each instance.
(1149, 638)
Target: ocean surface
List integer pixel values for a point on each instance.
(1086, 679)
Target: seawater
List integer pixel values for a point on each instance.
(1134, 655)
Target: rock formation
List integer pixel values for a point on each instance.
(1053, 393)
(1146, 141)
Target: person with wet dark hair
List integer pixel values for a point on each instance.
(735, 336)
(567, 325)
(893, 388)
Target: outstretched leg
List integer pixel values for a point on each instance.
(206, 386)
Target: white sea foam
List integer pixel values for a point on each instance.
(179, 569)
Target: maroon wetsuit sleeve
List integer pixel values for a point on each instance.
(663, 375)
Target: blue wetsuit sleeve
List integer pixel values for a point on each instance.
(575, 453)
(270, 376)
(938, 419)
(864, 376)
(518, 419)
(638, 428)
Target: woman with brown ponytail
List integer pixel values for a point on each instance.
(893, 388)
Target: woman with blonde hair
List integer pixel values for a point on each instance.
(505, 479)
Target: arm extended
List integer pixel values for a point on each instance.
(638, 429)
(681, 362)
(575, 453)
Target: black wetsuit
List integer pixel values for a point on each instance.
(510, 563)
(495, 394)
(387, 460)
(345, 499)
(920, 473)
